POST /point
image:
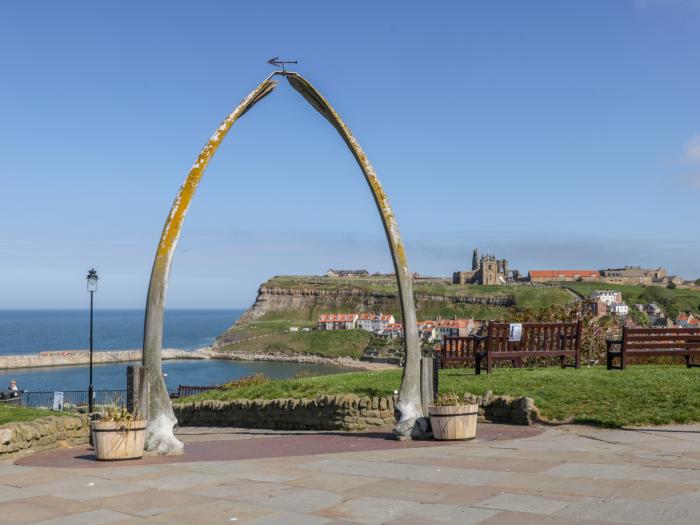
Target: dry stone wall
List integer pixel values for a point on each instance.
(17, 439)
(347, 412)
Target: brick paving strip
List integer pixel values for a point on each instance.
(551, 476)
(212, 445)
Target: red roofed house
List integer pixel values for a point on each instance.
(337, 321)
(426, 330)
(452, 328)
(393, 330)
(546, 276)
(687, 320)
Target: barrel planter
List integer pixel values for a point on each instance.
(454, 422)
(117, 440)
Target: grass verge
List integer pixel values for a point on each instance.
(15, 414)
(640, 395)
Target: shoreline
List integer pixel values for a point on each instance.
(82, 357)
(347, 362)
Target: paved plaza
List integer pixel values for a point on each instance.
(509, 475)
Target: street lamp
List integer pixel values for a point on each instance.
(92, 288)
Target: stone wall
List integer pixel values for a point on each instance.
(347, 412)
(46, 433)
(505, 409)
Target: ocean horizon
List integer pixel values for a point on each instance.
(30, 331)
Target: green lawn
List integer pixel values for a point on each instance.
(640, 395)
(274, 337)
(14, 414)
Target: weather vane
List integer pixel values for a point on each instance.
(280, 63)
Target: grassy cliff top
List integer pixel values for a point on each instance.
(524, 296)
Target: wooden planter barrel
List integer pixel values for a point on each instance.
(454, 422)
(114, 441)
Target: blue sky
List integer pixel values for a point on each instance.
(556, 134)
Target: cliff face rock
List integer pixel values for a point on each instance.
(310, 301)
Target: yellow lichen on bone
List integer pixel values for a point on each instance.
(173, 224)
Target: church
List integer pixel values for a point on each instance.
(486, 270)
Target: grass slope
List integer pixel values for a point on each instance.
(274, 337)
(14, 414)
(639, 395)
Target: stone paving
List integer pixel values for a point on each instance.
(561, 475)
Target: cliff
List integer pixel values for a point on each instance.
(275, 299)
(284, 301)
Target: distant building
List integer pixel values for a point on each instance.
(347, 273)
(687, 320)
(607, 296)
(393, 331)
(620, 309)
(337, 322)
(600, 308)
(381, 321)
(426, 330)
(634, 275)
(452, 328)
(653, 310)
(486, 270)
(364, 322)
(546, 276)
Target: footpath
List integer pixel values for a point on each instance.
(508, 475)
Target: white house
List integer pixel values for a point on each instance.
(609, 297)
(619, 308)
(364, 322)
(452, 328)
(380, 322)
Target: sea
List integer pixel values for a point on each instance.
(33, 331)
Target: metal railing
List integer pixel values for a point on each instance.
(74, 399)
(77, 400)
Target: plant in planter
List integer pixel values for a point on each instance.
(118, 434)
(453, 417)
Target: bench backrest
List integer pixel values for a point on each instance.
(536, 337)
(660, 338)
(458, 347)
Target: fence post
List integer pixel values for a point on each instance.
(137, 390)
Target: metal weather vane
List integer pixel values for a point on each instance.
(275, 61)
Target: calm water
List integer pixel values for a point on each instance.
(185, 372)
(33, 331)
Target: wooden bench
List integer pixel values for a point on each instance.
(559, 340)
(644, 342)
(460, 350)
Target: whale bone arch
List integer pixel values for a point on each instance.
(411, 421)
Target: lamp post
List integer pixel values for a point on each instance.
(92, 288)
